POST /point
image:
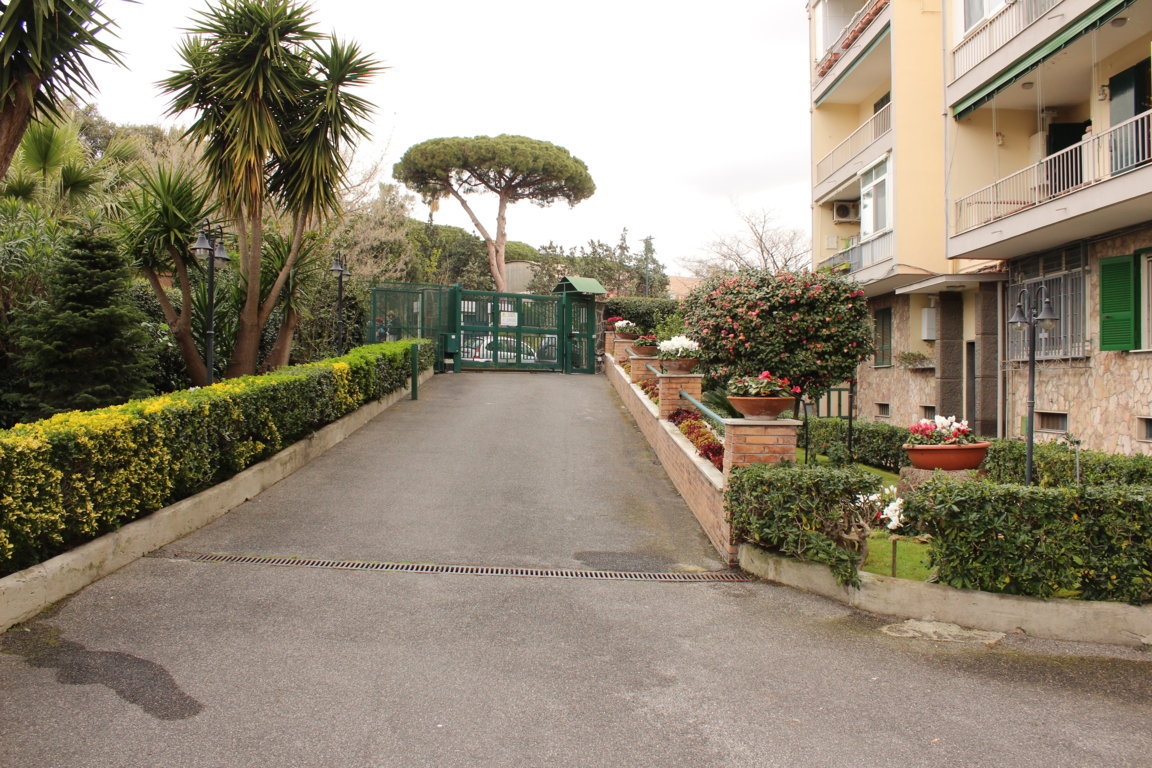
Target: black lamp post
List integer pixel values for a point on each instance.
(341, 273)
(209, 245)
(1026, 314)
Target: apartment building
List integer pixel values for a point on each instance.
(1013, 143)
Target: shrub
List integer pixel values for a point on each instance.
(646, 313)
(1054, 464)
(808, 512)
(873, 442)
(80, 474)
(812, 328)
(1038, 541)
(704, 439)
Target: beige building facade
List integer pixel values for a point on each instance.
(1007, 159)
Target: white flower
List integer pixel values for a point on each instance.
(894, 513)
(624, 325)
(678, 346)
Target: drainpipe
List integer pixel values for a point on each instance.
(1002, 372)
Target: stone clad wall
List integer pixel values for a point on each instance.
(903, 389)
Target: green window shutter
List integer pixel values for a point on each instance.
(883, 337)
(1119, 303)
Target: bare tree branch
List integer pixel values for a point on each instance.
(761, 245)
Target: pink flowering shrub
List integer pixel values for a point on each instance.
(813, 328)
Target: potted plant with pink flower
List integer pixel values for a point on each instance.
(944, 443)
(763, 396)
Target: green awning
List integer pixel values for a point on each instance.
(1095, 18)
(579, 285)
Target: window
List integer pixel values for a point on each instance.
(1062, 274)
(1051, 422)
(976, 11)
(1144, 429)
(1125, 288)
(883, 410)
(883, 337)
(874, 199)
(927, 411)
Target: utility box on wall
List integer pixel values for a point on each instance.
(928, 324)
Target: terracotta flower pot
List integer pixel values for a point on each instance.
(645, 351)
(761, 407)
(626, 335)
(679, 364)
(949, 457)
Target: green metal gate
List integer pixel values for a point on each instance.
(484, 330)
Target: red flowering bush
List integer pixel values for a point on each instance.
(813, 328)
(704, 439)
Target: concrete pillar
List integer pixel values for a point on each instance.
(758, 441)
(987, 359)
(670, 386)
(950, 355)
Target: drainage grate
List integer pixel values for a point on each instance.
(472, 570)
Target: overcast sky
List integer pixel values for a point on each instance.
(684, 113)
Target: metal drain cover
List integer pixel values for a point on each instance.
(471, 570)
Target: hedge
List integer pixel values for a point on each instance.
(645, 312)
(1054, 464)
(1016, 539)
(78, 475)
(804, 511)
(874, 443)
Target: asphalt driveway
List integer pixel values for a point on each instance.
(173, 662)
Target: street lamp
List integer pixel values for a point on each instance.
(209, 246)
(1027, 315)
(341, 273)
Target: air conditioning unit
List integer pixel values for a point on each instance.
(845, 211)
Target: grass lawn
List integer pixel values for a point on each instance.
(911, 557)
(886, 477)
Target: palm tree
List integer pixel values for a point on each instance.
(274, 116)
(45, 45)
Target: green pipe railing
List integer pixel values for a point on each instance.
(715, 420)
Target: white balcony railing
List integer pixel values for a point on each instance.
(862, 254)
(994, 32)
(1117, 150)
(862, 138)
(854, 29)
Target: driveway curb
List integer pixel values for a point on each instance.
(28, 592)
(1055, 619)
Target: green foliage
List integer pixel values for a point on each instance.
(807, 512)
(621, 271)
(78, 475)
(514, 167)
(813, 328)
(1038, 541)
(1054, 464)
(873, 442)
(646, 313)
(85, 346)
(169, 373)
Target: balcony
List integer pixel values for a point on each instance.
(1096, 186)
(855, 38)
(859, 255)
(854, 146)
(995, 32)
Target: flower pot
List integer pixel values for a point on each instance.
(645, 351)
(679, 364)
(949, 457)
(626, 335)
(761, 407)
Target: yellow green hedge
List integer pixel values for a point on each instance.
(78, 475)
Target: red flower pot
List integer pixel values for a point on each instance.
(949, 457)
(761, 407)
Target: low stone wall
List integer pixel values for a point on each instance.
(699, 483)
(25, 593)
(1055, 619)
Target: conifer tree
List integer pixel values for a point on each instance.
(85, 346)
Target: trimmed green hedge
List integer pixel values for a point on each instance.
(1038, 541)
(645, 312)
(78, 475)
(804, 511)
(1054, 464)
(873, 442)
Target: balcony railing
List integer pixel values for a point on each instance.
(995, 32)
(862, 254)
(862, 138)
(860, 22)
(1099, 158)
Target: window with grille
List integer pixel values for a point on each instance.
(1062, 275)
(1047, 421)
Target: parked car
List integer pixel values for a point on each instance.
(502, 349)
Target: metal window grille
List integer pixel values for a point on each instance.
(1063, 276)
